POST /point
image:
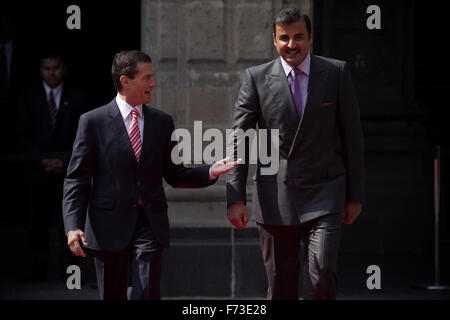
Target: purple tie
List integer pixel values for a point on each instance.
(294, 83)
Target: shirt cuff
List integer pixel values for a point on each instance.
(211, 177)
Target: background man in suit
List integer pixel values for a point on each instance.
(312, 102)
(47, 124)
(120, 156)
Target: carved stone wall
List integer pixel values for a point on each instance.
(198, 50)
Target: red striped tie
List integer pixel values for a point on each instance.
(52, 109)
(135, 135)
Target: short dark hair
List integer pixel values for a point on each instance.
(50, 55)
(124, 64)
(288, 16)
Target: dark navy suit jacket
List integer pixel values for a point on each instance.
(35, 134)
(104, 181)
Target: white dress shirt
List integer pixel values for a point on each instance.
(125, 111)
(56, 93)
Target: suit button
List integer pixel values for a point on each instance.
(138, 183)
(134, 205)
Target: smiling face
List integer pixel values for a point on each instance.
(138, 89)
(292, 42)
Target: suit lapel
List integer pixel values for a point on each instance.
(147, 135)
(316, 87)
(43, 107)
(63, 104)
(119, 132)
(151, 133)
(279, 86)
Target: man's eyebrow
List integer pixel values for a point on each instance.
(286, 35)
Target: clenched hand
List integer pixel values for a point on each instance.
(237, 215)
(351, 212)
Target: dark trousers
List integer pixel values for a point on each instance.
(281, 250)
(141, 261)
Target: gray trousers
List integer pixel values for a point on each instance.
(281, 253)
(134, 273)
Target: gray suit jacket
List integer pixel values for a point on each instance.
(104, 181)
(321, 155)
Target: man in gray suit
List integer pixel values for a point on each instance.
(311, 101)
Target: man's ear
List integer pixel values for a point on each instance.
(274, 37)
(124, 81)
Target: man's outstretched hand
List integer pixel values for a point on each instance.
(223, 166)
(237, 214)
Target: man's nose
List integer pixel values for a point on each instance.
(291, 43)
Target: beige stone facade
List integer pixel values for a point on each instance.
(198, 50)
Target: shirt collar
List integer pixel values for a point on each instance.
(305, 66)
(56, 90)
(125, 108)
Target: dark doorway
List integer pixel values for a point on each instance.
(36, 28)
(106, 28)
(40, 27)
(402, 85)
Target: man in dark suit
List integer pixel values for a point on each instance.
(311, 101)
(47, 124)
(113, 189)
